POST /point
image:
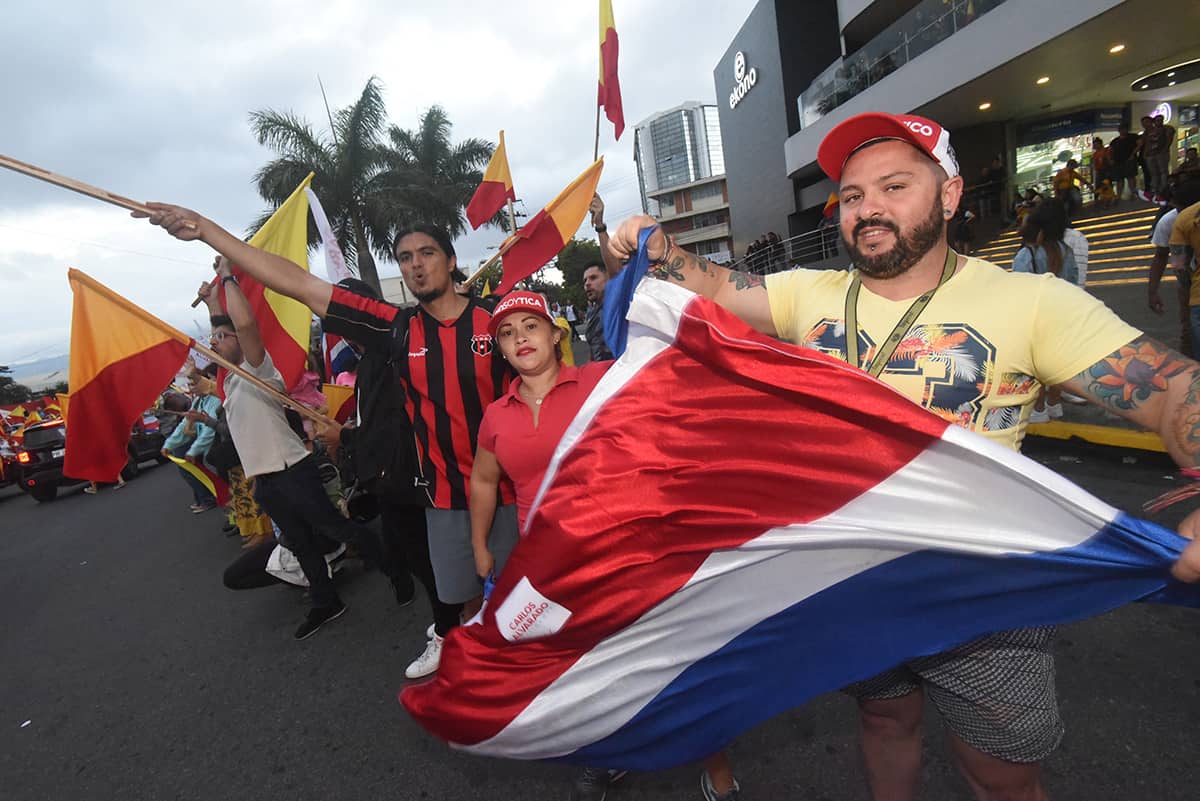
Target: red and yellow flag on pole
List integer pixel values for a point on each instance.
(494, 191)
(284, 323)
(211, 481)
(121, 359)
(550, 229)
(831, 205)
(610, 87)
(340, 400)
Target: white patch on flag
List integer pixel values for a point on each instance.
(526, 614)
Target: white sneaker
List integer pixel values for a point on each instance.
(429, 632)
(427, 663)
(1054, 410)
(1074, 399)
(1039, 417)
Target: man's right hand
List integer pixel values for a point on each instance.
(181, 223)
(208, 292)
(623, 242)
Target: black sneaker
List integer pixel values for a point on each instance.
(593, 783)
(405, 589)
(317, 617)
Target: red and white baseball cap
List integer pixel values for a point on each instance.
(926, 135)
(513, 302)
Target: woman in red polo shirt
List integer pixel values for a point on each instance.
(517, 438)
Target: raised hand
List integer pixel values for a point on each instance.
(181, 223)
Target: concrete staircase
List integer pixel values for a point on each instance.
(1119, 249)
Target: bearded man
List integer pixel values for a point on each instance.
(973, 344)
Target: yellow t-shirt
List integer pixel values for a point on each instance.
(1186, 232)
(980, 350)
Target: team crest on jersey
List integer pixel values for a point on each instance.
(482, 344)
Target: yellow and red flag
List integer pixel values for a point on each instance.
(494, 191)
(340, 400)
(121, 358)
(544, 236)
(211, 481)
(831, 205)
(610, 87)
(284, 323)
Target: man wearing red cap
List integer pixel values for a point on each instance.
(973, 344)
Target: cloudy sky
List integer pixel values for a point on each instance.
(151, 100)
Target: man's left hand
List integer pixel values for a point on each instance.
(596, 207)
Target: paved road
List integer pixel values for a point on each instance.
(143, 678)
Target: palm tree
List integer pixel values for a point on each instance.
(346, 166)
(432, 177)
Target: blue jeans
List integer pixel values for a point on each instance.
(1194, 319)
(200, 494)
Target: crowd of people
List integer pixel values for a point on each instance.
(461, 401)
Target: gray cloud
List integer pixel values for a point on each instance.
(152, 101)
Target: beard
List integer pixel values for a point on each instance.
(430, 296)
(908, 250)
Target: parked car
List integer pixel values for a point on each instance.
(40, 459)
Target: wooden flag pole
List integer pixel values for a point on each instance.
(70, 183)
(299, 407)
(504, 248)
(512, 218)
(596, 141)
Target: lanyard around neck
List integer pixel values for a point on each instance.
(880, 360)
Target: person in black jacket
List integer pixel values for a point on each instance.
(382, 450)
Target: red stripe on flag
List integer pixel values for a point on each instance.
(101, 414)
(540, 241)
(289, 357)
(487, 202)
(610, 89)
(660, 479)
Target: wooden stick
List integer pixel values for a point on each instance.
(512, 218)
(596, 142)
(299, 407)
(70, 183)
(504, 248)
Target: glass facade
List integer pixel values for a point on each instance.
(674, 150)
(716, 150)
(930, 22)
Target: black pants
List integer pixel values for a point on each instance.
(249, 571)
(407, 547)
(295, 499)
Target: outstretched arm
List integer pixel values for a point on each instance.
(1159, 389)
(268, 269)
(744, 294)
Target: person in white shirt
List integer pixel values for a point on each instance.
(286, 482)
(1078, 244)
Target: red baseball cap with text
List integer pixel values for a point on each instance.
(926, 135)
(513, 302)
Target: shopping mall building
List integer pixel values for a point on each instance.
(1029, 80)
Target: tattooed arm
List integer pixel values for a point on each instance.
(1159, 389)
(744, 294)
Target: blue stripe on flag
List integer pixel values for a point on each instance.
(618, 294)
(921, 603)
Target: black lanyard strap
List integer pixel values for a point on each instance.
(884, 354)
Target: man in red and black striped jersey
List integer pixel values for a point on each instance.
(444, 358)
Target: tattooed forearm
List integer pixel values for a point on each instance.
(742, 280)
(1133, 374)
(677, 261)
(1187, 416)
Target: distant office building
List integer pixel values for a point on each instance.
(681, 175)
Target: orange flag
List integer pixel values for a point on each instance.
(121, 358)
(495, 189)
(550, 229)
(610, 87)
(285, 324)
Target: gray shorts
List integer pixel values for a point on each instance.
(451, 553)
(995, 693)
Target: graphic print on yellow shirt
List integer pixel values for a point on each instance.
(980, 351)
